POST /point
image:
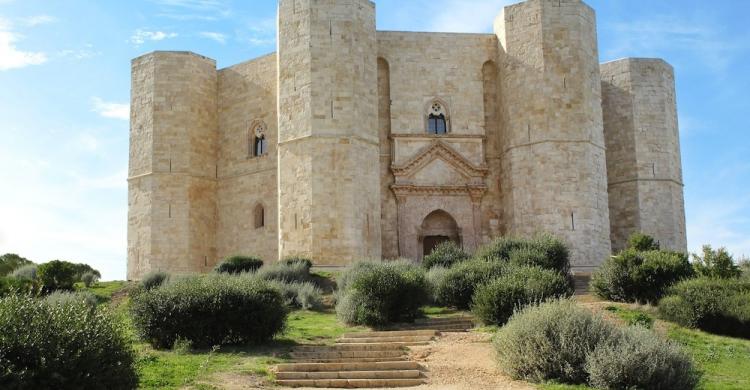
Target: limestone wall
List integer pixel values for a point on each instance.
(643, 152)
(329, 176)
(553, 164)
(247, 97)
(172, 174)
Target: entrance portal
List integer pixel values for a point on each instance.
(437, 228)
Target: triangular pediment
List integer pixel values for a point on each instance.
(439, 157)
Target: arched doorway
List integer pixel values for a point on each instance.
(438, 227)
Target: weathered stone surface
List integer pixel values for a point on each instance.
(539, 138)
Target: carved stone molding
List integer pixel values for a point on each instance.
(439, 149)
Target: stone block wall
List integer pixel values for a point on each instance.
(172, 172)
(643, 152)
(553, 164)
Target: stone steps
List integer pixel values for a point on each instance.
(387, 339)
(354, 360)
(391, 333)
(350, 383)
(330, 367)
(352, 347)
(346, 354)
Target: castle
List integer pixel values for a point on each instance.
(351, 143)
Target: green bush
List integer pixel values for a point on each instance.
(62, 344)
(550, 341)
(716, 264)
(636, 358)
(544, 250)
(82, 269)
(64, 297)
(435, 278)
(642, 242)
(297, 259)
(154, 279)
(57, 275)
(239, 264)
(28, 272)
(458, 285)
(495, 301)
(11, 261)
(89, 279)
(304, 295)
(382, 292)
(446, 254)
(712, 304)
(209, 310)
(634, 276)
(285, 272)
(11, 285)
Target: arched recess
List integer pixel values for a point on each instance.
(437, 117)
(259, 216)
(257, 139)
(438, 227)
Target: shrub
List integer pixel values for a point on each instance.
(27, 272)
(550, 342)
(352, 272)
(459, 283)
(82, 269)
(446, 254)
(57, 275)
(65, 297)
(715, 305)
(285, 272)
(435, 277)
(634, 276)
(544, 250)
(11, 261)
(62, 345)
(642, 242)
(239, 264)
(638, 358)
(382, 292)
(209, 310)
(303, 295)
(89, 279)
(715, 263)
(154, 279)
(494, 302)
(296, 259)
(11, 285)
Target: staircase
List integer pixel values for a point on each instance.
(367, 359)
(581, 283)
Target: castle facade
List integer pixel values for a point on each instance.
(351, 143)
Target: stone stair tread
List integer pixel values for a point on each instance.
(351, 383)
(401, 343)
(391, 333)
(388, 374)
(436, 320)
(354, 360)
(383, 339)
(344, 354)
(351, 347)
(368, 366)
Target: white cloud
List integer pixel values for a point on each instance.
(110, 109)
(216, 36)
(11, 57)
(36, 20)
(141, 36)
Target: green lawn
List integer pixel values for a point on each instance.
(103, 290)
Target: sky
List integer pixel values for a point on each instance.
(65, 90)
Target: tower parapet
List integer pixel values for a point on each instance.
(553, 157)
(329, 177)
(643, 152)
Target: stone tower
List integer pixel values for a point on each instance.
(553, 162)
(328, 151)
(643, 152)
(172, 166)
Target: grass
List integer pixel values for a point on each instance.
(103, 290)
(632, 317)
(311, 327)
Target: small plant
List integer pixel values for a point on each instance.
(296, 259)
(494, 302)
(304, 295)
(26, 272)
(65, 297)
(435, 278)
(716, 264)
(642, 242)
(446, 254)
(239, 264)
(89, 279)
(285, 272)
(636, 358)
(182, 346)
(154, 279)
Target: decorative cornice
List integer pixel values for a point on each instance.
(475, 191)
(439, 149)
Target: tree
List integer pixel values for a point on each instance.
(716, 263)
(642, 242)
(57, 275)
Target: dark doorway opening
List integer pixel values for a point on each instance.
(431, 242)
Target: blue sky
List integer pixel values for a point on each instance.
(65, 79)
